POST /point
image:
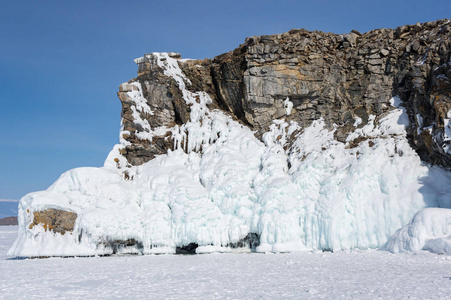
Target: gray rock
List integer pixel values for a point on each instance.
(416, 46)
(351, 37)
(385, 52)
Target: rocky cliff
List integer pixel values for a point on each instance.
(341, 78)
(295, 141)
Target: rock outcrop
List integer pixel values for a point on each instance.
(342, 78)
(291, 141)
(55, 220)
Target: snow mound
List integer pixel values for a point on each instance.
(430, 229)
(221, 188)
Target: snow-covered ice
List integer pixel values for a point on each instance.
(430, 229)
(220, 184)
(307, 275)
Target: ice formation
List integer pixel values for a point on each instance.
(222, 185)
(430, 229)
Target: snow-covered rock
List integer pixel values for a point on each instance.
(231, 155)
(221, 184)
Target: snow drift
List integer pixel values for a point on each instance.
(430, 229)
(223, 189)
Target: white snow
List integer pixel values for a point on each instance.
(139, 108)
(430, 229)
(307, 275)
(358, 121)
(419, 120)
(288, 105)
(447, 134)
(140, 112)
(221, 183)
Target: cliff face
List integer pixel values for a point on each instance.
(339, 78)
(296, 141)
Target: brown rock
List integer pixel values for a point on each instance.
(55, 220)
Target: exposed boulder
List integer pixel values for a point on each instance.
(56, 220)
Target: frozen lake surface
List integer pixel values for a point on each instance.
(356, 275)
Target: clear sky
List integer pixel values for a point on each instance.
(62, 63)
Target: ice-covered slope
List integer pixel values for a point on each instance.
(222, 189)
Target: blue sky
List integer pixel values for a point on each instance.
(62, 63)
